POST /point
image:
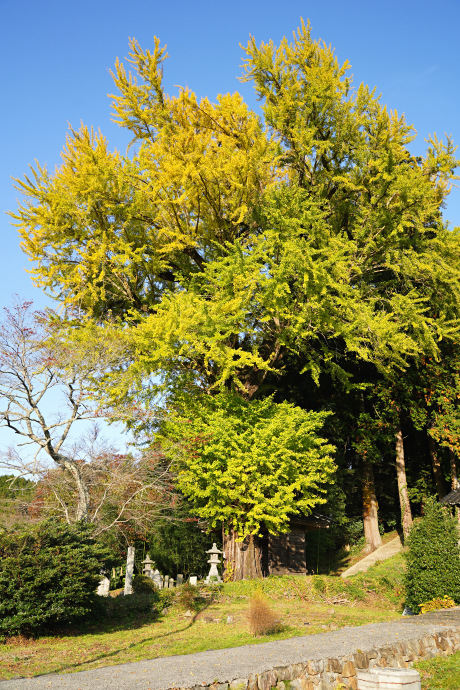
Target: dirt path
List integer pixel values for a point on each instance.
(381, 554)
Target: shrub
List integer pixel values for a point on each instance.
(143, 585)
(161, 598)
(146, 604)
(48, 574)
(188, 596)
(433, 558)
(444, 602)
(125, 608)
(166, 598)
(320, 585)
(262, 620)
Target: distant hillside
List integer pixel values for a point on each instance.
(15, 492)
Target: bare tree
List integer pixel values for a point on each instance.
(128, 492)
(86, 481)
(29, 371)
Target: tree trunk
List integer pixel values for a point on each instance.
(370, 510)
(406, 514)
(437, 470)
(453, 469)
(454, 479)
(82, 511)
(243, 559)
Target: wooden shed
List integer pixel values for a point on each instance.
(285, 554)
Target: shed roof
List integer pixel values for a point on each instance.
(314, 520)
(452, 499)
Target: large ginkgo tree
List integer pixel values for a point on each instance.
(223, 241)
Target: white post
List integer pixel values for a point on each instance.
(129, 571)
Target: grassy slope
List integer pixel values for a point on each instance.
(441, 673)
(357, 552)
(303, 605)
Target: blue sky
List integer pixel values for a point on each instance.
(56, 57)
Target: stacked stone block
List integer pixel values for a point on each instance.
(327, 674)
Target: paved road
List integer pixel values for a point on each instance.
(240, 662)
(381, 554)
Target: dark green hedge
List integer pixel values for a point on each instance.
(433, 557)
(48, 575)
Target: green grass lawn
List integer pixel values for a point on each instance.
(303, 605)
(441, 673)
(103, 644)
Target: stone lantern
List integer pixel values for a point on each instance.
(214, 562)
(147, 569)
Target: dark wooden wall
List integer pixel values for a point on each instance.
(286, 553)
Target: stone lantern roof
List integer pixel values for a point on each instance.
(147, 563)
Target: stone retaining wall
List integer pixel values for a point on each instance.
(328, 674)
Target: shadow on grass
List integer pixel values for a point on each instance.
(127, 624)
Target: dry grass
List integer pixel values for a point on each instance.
(261, 618)
(304, 606)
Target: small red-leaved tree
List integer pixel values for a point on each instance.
(128, 493)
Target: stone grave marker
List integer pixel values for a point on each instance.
(129, 571)
(103, 587)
